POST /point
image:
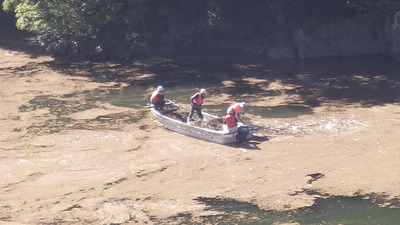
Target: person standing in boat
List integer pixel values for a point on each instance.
(230, 122)
(157, 98)
(238, 109)
(196, 102)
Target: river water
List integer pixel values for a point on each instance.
(368, 81)
(330, 211)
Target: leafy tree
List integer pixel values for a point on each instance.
(115, 28)
(72, 27)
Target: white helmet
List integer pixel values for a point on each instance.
(242, 104)
(203, 91)
(160, 88)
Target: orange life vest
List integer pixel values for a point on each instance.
(236, 107)
(199, 100)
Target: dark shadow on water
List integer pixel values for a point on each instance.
(333, 210)
(339, 81)
(365, 80)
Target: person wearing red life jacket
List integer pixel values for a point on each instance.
(238, 108)
(157, 98)
(230, 122)
(196, 102)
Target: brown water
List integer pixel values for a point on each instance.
(368, 81)
(365, 80)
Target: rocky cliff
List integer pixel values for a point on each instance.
(360, 35)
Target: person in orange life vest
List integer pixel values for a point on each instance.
(230, 122)
(157, 98)
(196, 102)
(238, 108)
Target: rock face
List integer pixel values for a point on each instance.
(359, 35)
(395, 37)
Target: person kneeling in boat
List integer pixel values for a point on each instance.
(196, 102)
(230, 122)
(238, 109)
(157, 98)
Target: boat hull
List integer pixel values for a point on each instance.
(217, 136)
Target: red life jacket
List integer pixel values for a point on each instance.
(230, 120)
(154, 96)
(199, 100)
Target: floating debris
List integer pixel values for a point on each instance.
(213, 124)
(292, 128)
(276, 127)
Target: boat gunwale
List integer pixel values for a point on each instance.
(216, 132)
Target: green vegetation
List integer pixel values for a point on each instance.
(125, 28)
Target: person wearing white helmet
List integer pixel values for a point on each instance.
(196, 102)
(238, 108)
(157, 98)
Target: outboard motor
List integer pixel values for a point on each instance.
(242, 133)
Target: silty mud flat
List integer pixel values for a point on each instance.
(68, 156)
